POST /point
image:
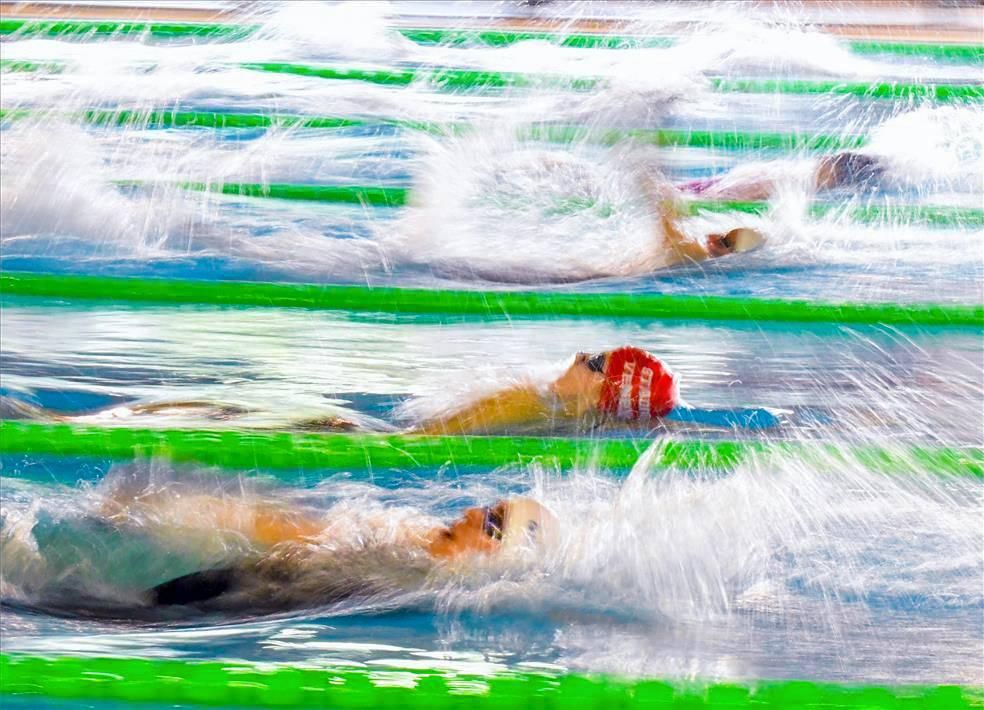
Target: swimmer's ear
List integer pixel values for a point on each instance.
(194, 588)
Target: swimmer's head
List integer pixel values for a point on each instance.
(637, 386)
(510, 524)
(526, 524)
(848, 169)
(626, 384)
(734, 242)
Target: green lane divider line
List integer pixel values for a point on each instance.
(284, 451)
(496, 304)
(23, 65)
(287, 451)
(728, 140)
(734, 140)
(443, 77)
(451, 78)
(936, 215)
(882, 90)
(161, 118)
(970, 53)
(384, 196)
(453, 36)
(239, 684)
(376, 196)
(500, 38)
(89, 29)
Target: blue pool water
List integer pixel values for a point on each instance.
(792, 567)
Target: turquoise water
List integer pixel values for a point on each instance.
(777, 569)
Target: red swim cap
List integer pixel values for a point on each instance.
(637, 386)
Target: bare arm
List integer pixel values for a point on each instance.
(265, 523)
(681, 248)
(678, 248)
(521, 404)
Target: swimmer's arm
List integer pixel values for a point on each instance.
(262, 523)
(522, 404)
(674, 246)
(271, 526)
(680, 248)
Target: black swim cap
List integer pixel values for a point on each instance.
(856, 169)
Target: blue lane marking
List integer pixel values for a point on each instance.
(747, 418)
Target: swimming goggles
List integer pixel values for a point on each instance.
(493, 522)
(595, 363)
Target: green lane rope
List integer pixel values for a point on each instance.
(294, 452)
(447, 36)
(161, 118)
(376, 196)
(883, 90)
(495, 304)
(88, 29)
(728, 140)
(453, 36)
(450, 78)
(23, 65)
(500, 38)
(239, 684)
(935, 215)
(283, 451)
(972, 53)
(384, 196)
(446, 77)
(733, 140)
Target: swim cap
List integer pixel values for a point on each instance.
(637, 386)
(527, 523)
(746, 239)
(856, 169)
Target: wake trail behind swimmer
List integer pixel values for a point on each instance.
(623, 387)
(261, 552)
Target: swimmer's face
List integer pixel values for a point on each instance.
(580, 386)
(477, 531)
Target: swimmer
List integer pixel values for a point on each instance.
(760, 181)
(673, 246)
(627, 385)
(289, 547)
(623, 386)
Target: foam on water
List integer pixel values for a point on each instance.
(788, 551)
(465, 188)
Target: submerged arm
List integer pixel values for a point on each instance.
(261, 522)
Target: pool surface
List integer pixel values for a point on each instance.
(782, 567)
